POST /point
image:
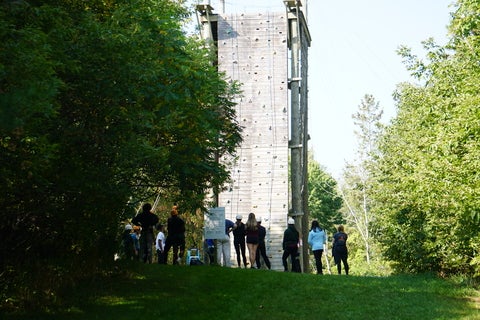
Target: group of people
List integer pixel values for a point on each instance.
(139, 239)
(138, 245)
(317, 239)
(250, 235)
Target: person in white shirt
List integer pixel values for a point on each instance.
(160, 244)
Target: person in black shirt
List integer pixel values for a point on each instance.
(175, 237)
(239, 240)
(339, 250)
(291, 238)
(261, 250)
(147, 221)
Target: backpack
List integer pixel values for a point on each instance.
(341, 240)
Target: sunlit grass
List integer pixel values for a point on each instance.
(204, 292)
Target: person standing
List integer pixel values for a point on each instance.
(160, 244)
(146, 220)
(223, 245)
(317, 239)
(290, 241)
(239, 241)
(175, 237)
(262, 250)
(340, 251)
(129, 249)
(136, 241)
(251, 229)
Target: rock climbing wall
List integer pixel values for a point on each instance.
(252, 49)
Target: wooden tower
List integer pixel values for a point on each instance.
(256, 50)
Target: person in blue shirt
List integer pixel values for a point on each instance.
(223, 245)
(209, 248)
(317, 239)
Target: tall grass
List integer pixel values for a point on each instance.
(206, 292)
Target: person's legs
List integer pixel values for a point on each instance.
(257, 256)
(149, 246)
(252, 250)
(226, 252)
(168, 245)
(236, 245)
(285, 255)
(345, 263)
(219, 251)
(242, 250)
(160, 258)
(182, 248)
(265, 257)
(318, 260)
(338, 262)
(175, 253)
(143, 246)
(295, 260)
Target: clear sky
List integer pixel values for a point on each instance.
(353, 53)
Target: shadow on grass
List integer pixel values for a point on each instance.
(178, 292)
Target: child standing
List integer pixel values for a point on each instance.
(160, 244)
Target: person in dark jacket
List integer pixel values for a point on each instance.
(147, 221)
(262, 250)
(291, 238)
(239, 241)
(175, 237)
(339, 250)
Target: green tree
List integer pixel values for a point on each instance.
(324, 201)
(428, 190)
(103, 104)
(357, 183)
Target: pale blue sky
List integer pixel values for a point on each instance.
(353, 54)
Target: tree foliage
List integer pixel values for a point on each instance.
(358, 176)
(102, 103)
(324, 201)
(429, 178)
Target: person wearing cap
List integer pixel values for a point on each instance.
(239, 240)
(129, 248)
(251, 230)
(291, 238)
(175, 237)
(261, 250)
(223, 245)
(147, 220)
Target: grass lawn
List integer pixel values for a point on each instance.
(207, 292)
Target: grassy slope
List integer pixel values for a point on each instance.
(203, 292)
